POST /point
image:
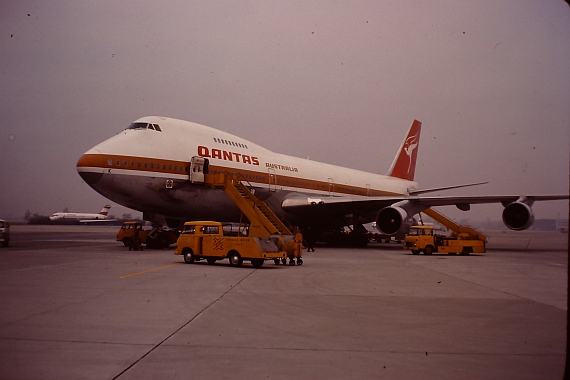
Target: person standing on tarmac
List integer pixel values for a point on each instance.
(310, 239)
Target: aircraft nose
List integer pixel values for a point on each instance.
(90, 168)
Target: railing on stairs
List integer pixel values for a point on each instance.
(263, 222)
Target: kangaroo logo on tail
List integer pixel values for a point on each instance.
(404, 165)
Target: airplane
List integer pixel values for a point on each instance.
(77, 217)
(157, 165)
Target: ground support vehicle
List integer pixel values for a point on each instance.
(422, 239)
(4, 233)
(133, 235)
(205, 240)
(263, 222)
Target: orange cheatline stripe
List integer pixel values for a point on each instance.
(144, 164)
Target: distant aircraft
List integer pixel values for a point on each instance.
(157, 166)
(76, 217)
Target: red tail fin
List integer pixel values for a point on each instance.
(404, 165)
(105, 210)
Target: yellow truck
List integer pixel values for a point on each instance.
(4, 233)
(422, 239)
(132, 235)
(206, 240)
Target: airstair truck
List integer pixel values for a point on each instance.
(422, 239)
(206, 241)
(464, 239)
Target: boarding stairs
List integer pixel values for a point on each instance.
(457, 228)
(263, 222)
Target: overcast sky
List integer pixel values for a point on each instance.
(336, 81)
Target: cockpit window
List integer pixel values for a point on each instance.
(145, 126)
(138, 126)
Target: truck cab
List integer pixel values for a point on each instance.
(4, 233)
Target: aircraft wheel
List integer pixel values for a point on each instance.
(428, 250)
(235, 259)
(188, 256)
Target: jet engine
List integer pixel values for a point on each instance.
(518, 216)
(390, 219)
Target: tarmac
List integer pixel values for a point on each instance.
(76, 304)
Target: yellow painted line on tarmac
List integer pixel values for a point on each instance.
(149, 270)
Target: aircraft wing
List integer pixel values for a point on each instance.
(305, 204)
(391, 212)
(97, 220)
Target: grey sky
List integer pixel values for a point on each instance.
(336, 81)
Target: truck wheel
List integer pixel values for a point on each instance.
(466, 251)
(235, 259)
(127, 242)
(188, 256)
(211, 260)
(277, 261)
(257, 263)
(299, 261)
(428, 250)
(415, 252)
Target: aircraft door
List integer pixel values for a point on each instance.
(272, 179)
(198, 167)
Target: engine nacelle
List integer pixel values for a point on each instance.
(518, 216)
(390, 219)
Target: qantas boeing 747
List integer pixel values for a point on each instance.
(149, 167)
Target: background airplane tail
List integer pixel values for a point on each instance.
(105, 210)
(404, 165)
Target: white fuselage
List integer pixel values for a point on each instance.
(148, 170)
(76, 216)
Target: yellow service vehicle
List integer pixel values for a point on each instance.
(4, 233)
(422, 239)
(132, 235)
(206, 240)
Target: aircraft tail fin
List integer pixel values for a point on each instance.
(404, 165)
(105, 210)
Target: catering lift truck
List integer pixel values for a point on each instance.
(464, 239)
(265, 238)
